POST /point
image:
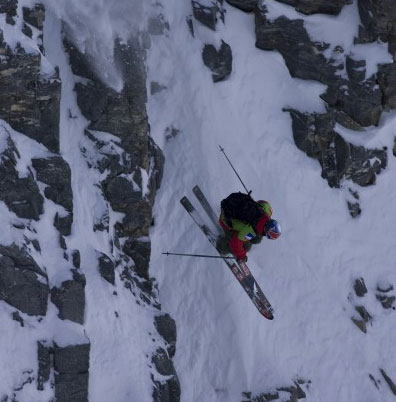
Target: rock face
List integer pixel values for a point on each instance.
(378, 22)
(317, 6)
(131, 166)
(140, 251)
(166, 327)
(21, 194)
(34, 16)
(9, 7)
(71, 365)
(208, 12)
(168, 391)
(123, 113)
(44, 365)
(23, 284)
(106, 268)
(302, 56)
(356, 69)
(218, 61)
(292, 392)
(315, 135)
(56, 174)
(70, 298)
(29, 101)
(352, 99)
(387, 82)
(359, 102)
(244, 5)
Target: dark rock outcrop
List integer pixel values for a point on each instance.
(167, 390)
(303, 58)
(76, 258)
(17, 317)
(140, 252)
(34, 16)
(106, 267)
(21, 195)
(360, 287)
(23, 284)
(208, 13)
(118, 145)
(244, 5)
(71, 364)
(44, 365)
(356, 69)
(354, 209)
(385, 295)
(292, 392)
(166, 327)
(365, 164)
(70, 298)
(63, 223)
(386, 78)
(56, 173)
(121, 113)
(218, 61)
(29, 101)
(362, 319)
(317, 6)
(315, 135)
(378, 20)
(359, 101)
(9, 7)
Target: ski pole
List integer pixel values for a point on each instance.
(222, 150)
(198, 255)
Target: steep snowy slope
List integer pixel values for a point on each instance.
(224, 346)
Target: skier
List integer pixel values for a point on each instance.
(245, 222)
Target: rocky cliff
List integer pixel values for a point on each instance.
(47, 265)
(353, 99)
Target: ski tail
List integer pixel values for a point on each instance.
(207, 208)
(198, 220)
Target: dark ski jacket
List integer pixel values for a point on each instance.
(242, 232)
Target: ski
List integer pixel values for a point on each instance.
(239, 270)
(207, 208)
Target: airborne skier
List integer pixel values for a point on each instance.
(239, 269)
(245, 222)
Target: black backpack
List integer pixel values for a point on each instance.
(242, 207)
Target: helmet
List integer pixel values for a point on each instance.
(272, 229)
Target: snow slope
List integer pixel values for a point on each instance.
(224, 345)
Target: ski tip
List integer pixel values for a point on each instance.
(187, 204)
(268, 315)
